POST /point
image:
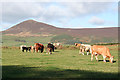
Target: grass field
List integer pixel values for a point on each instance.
(17, 41)
(63, 63)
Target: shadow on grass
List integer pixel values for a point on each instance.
(22, 72)
(56, 51)
(107, 61)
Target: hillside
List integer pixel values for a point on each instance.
(33, 28)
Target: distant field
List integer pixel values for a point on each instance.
(17, 41)
(65, 39)
(63, 63)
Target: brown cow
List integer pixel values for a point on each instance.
(101, 50)
(38, 46)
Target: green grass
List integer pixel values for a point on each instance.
(63, 63)
(11, 40)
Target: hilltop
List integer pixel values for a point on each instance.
(34, 28)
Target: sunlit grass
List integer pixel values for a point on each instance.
(62, 63)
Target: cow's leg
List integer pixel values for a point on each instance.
(96, 57)
(47, 51)
(90, 51)
(80, 51)
(32, 50)
(26, 49)
(50, 51)
(83, 51)
(53, 49)
(29, 49)
(92, 56)
(42, 50)
(104, 58)
(22, 50)
(37, 50)
(87, 53)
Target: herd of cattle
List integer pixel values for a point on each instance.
(40, 47)
(93, 49)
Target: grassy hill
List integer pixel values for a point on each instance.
(31, 31)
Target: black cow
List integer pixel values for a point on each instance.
(50, 48)
(26, 48)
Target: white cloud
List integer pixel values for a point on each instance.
(50, 11)
(105, 26)
(13, 12)
(96, 21)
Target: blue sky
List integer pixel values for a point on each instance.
(66, 14)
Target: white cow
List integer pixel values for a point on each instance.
(21, 47)
(85, 47)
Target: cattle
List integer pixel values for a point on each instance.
(77, 44)
(24, 47)
(57, 45)
(32, 48)
(50, 48)
(38, 46)
(83, 48)
(87, 48)
(101, 50)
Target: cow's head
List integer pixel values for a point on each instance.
(111, 59)
(76, 44)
